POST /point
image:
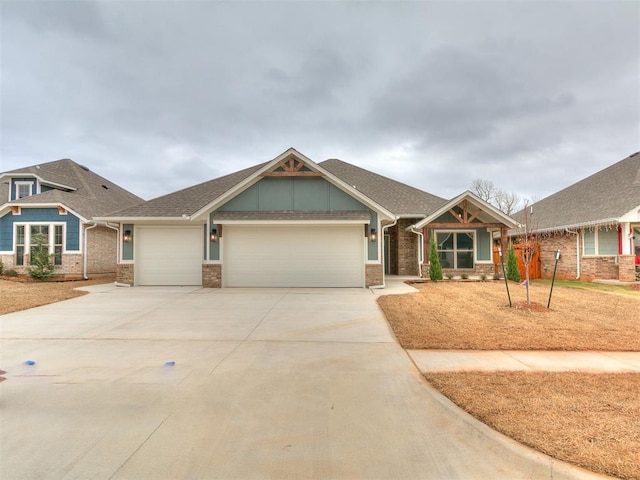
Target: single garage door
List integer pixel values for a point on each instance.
(169, 255)
(293, 256)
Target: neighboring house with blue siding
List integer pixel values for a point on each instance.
(291, 222)
(60, 199)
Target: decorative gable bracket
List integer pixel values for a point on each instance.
(291, 167)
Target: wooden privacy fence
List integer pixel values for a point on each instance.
(534, 267)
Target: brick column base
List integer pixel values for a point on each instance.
(124, 273)
(373, 275)
(212, 275)
(627, 268)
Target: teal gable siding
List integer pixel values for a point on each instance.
(40, 215)
(34, 187)
(127, 247)
(300, 194)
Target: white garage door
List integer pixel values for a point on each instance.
(169, 255)
(300, 256)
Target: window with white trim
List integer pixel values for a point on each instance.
(23, 189)
(455, 249)
(600, 242)
(54, 234)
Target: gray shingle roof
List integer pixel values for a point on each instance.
(189, 200)
(398, 198)
(599, 199)
(92, 195)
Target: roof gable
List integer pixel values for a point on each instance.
(604, 197)
(475, 208)
(195, 202)
(73, 186)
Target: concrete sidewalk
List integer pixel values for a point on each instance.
(548, 361)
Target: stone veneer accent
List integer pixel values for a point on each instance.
(373, 274)
(124, 273)
(212, 275)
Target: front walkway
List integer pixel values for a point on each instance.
(554, 361)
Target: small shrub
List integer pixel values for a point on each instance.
(449, 275)
(435, 269)
(464, 276)
(10, 273)
(512, 265)
(483, 277)
(42, 266)
(496, 276)
(1, 267)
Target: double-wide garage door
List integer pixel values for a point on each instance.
(293, 256)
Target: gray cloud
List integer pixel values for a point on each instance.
(160, 95)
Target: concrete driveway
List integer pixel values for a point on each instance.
(280, 383)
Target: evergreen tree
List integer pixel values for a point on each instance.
(512, 265)
(435, 269)
(41, 264)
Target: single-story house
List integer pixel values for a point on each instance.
(60, 199)
(291, 222)
(594, 223)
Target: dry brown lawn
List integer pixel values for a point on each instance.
(15, 296)
(476, 316)
(591, 420)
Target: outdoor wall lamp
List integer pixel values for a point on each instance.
(126, 236)
(214, 235)
(372, 235)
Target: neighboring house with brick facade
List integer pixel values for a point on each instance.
(60, 199)
(595, 223)
(291, 222)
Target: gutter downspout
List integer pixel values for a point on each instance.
(421, 252)
(84, 256)
(384, 282)
(577, 251)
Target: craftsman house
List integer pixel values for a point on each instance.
(60, 199)
(291, 222)
(595, 224)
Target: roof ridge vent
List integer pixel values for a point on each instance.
(85, 168)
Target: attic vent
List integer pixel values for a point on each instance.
(86, 169)
(105, 187)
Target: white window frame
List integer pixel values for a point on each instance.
(455, 250)
(23, 183)
(596, 233)
(27, 235)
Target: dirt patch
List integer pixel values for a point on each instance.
(591, 420)
(477, 316)
(16, 295)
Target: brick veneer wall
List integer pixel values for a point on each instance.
(627, 268)
(124, 273)
(566, 243)
(407, 243)
(598, 267)
(212, 275)
(373, 274)
(102, 245)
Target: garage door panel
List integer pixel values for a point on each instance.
(169, 256)
(293, 256)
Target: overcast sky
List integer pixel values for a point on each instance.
(160, 95)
